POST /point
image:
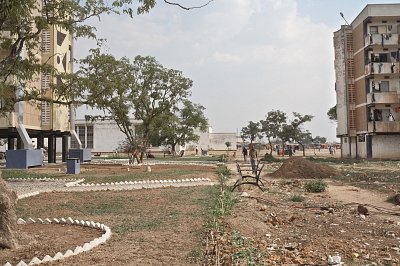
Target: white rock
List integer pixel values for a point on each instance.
(78, 250)
(56, 220)
(35, 261)
(244, 194)
(22, 263)
(7, 264)
(41, 220)
(70, 221)
(68, 253)
(87, 247)
(47, 258)
(58, 256)
(62, 220)
(48, 221)
(21, 221)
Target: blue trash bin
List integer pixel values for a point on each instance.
(73, 166)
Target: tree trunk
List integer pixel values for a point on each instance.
(270, 146)
(304, 151)
(8, 217)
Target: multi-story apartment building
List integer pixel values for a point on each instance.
(368, 83)
(44, 122)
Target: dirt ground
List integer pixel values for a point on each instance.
(165, 226)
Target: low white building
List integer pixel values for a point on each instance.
(99, 136)
(105, 137)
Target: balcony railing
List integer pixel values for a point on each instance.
(384, 126)
(382, 39)
(386, 97)
(381, 68)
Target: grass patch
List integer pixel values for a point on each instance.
(7, 174)
(297, 198)
(315, 186)
(246, 253)
(128, 226)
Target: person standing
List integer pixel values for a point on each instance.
(253, 158)
(244, 152)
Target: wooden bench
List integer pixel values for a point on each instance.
(247, 176)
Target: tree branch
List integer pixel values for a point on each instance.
(187, 8)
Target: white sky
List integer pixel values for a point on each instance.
(245, 57)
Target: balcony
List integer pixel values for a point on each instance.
(382, 40)
(384, 126)
(386, 97)
(381, 68)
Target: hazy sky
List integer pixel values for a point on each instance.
(245, 57)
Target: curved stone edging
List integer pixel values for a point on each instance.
(45, 179)
(123, 185)
(78, 249)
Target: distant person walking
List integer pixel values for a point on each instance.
(244, 152)
(253, 158)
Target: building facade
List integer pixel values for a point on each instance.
(44, 122)
(100, 136)
(368, 83)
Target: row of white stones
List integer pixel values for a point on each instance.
(43, 179)
(79, 249)
(140, 182)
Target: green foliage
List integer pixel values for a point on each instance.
(178, 126)
(297, 198)
(252, 131)
(223, 158)
(332, 114)
(224, 171)
(228, 144)
(246, 254)
(269, 158)
(24, 22)
(315, 186)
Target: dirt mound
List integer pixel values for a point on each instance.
(298, 167)
(8, 218)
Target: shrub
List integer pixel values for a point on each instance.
(315, 186)
(269, 158)
(297, 198)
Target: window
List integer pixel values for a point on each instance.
(46, 41)
(81, 134)
(384, 85)
(373, 29)
(383, 58)
(345, 140)
(45, 82)
(46, 113)
(89, 137)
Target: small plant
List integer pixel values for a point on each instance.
(223, 158)
(297, 198)
(269, 158)
(315, 186)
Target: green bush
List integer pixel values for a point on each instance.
(269, 158)
(297, 198)
(315, 186)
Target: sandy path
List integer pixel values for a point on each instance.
(351, 194)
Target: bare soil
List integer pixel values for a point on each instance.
(165, 226)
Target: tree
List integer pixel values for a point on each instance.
(178, 127)
(251, 131)
(294, 131)
(272, 125)
(332, 114)
(228, 145)
(142, 89)
(22, 24)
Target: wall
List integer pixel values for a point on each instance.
(217, 141)
(340, 86)
(386, 147)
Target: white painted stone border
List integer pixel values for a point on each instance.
(78, 249)
(42, 179)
